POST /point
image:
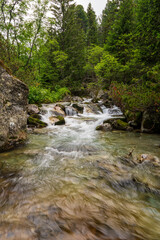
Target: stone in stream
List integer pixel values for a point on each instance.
(35, 122)
(58, 111)
(13, 110)
(59, 120)
(93, 108)
(118, 124)
(33, 109)
(104, 127)
(78, 107)
(77, 99)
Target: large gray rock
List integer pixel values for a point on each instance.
(13, 110)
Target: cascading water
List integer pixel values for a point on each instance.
(70, 183)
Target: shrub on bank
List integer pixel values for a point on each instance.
(38, 94)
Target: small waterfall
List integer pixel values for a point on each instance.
(70, 111)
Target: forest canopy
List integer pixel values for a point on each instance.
(57, 47)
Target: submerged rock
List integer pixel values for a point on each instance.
(13, 110)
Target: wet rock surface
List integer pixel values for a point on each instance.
(13, 111)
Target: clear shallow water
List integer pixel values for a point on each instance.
(70, 182)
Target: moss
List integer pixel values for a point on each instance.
(34, 122)
(61, 120)
(122, 123)
(37, 116)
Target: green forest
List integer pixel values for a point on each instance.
(56, 47)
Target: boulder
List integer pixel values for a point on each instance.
(61, 121)
(33, 109)
(78, 107)
(37, 116)
(58, 111)
(104, 127)
(77, 99)
(93, 108)
(13, 110)
(100, 94)
(118, 124)
(67, 99)
(53, 119)
(35, 122)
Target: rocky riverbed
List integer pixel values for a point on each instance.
(71, 181)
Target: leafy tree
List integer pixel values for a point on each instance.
(51, 61)
(109, 69)
(94, 55)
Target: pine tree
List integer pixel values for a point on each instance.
(119, 40)
(108, 17)
(82, 17)
(92, 26)
(148, 30)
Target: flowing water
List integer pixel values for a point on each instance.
(73, 183)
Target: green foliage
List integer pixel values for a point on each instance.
(135, 98)
(109, 69)
(42, 95)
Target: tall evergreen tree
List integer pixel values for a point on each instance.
(108, 17)
(82, 17)
(148, 30)
(92, 26)
(59, 9)
(119, 40)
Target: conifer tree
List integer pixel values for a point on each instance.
(92, 26)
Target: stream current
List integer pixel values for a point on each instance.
(71, 183)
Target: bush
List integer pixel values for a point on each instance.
(43, 95)
(135, 98)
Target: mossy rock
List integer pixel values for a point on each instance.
(78, 107)
(118, 124)
(34, 122)
(61, 106)
(104, 127)
(61, 120)
(37, 116)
